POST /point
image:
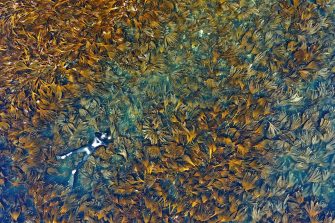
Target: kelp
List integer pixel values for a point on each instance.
(218, 111)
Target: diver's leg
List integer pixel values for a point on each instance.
(73, 181)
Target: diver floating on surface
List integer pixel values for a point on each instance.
(100, 139)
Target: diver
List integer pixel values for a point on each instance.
(100, 139)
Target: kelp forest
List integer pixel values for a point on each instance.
(167, 111)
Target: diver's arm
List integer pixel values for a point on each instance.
(100, 139)
(85, 149)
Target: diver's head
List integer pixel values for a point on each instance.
(105, 137)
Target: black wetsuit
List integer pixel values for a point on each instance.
(100, 139)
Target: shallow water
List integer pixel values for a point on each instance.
(218, 111)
